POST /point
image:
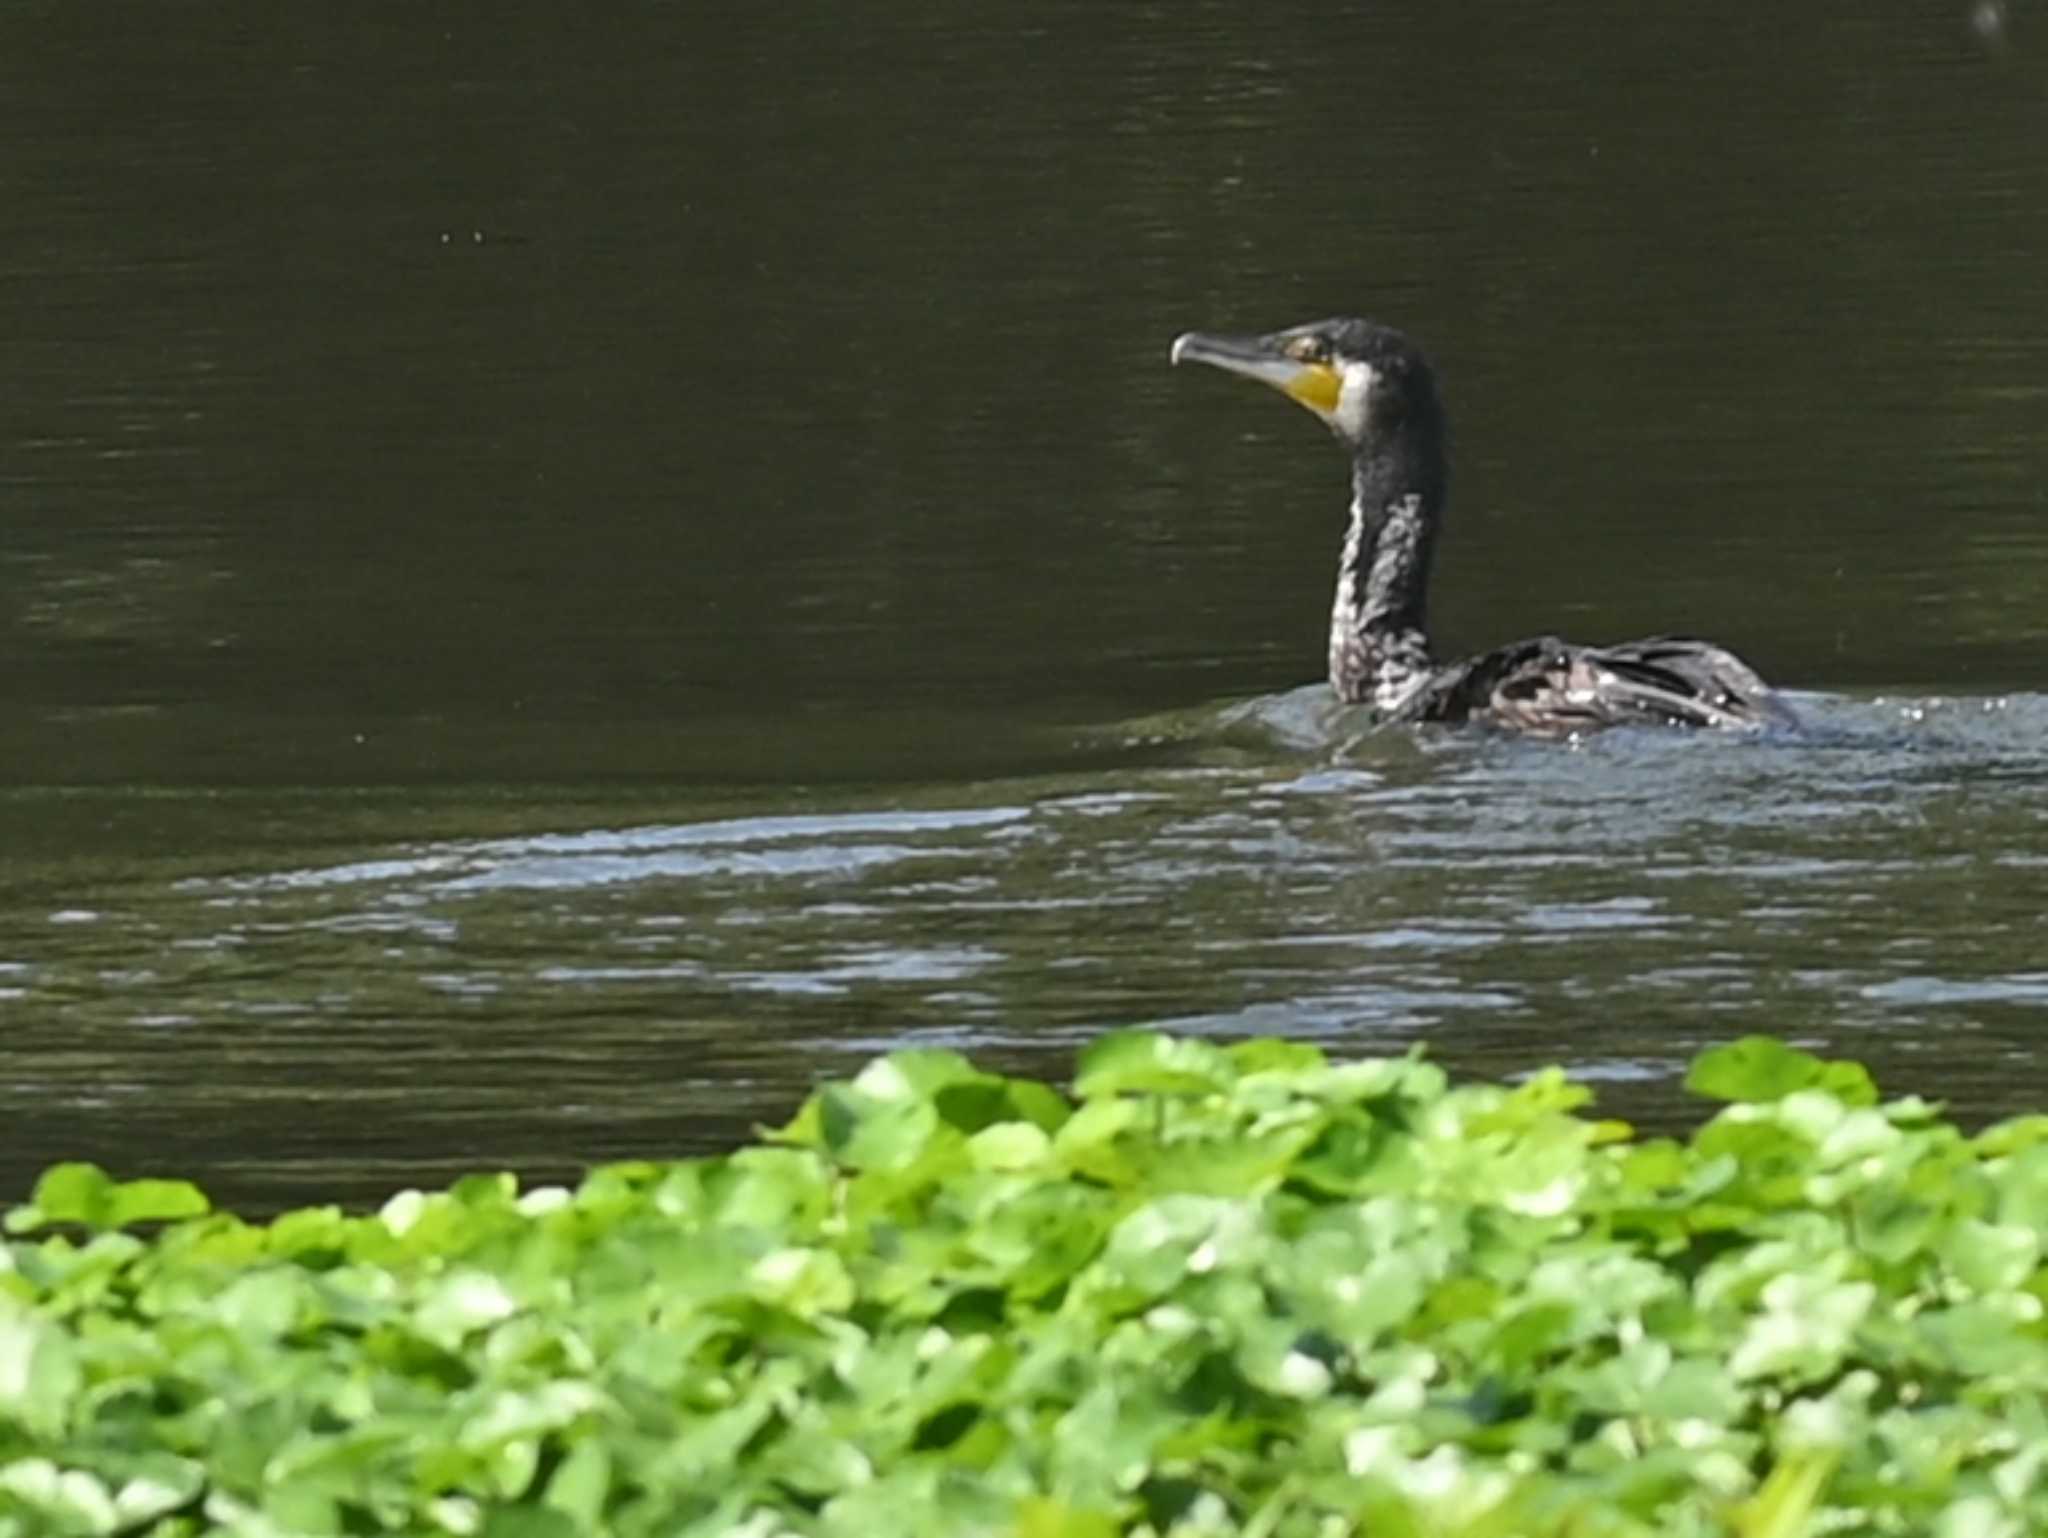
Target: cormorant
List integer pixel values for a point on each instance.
(1377, 393)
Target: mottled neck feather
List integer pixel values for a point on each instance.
(1379, 625)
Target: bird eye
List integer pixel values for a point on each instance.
(1306, 349)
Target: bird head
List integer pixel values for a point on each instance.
(1366, 381)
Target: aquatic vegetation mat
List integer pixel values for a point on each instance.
(1218, 1290)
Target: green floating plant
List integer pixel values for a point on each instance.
(1219, 1289)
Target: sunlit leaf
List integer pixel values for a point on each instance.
(62, 1500)
(1760, 1068)
(1130, 1062)
(1042, 1517)
(40, 1373)
(1236, 1290)
(581, 1484)
(1784, 1507)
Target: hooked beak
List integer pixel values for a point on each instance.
(1314, 385)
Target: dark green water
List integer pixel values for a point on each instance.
(566, 574)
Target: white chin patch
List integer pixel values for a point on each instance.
(1351, 396)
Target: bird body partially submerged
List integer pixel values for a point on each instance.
(1377, 393)
(1548, 685)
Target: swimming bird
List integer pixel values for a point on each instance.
(1374, 389)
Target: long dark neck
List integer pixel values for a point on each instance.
(1379, 625)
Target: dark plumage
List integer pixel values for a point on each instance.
(1377, 393)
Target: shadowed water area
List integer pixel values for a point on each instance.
(566, 576)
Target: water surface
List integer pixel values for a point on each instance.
(565, 576)
(291, 996)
